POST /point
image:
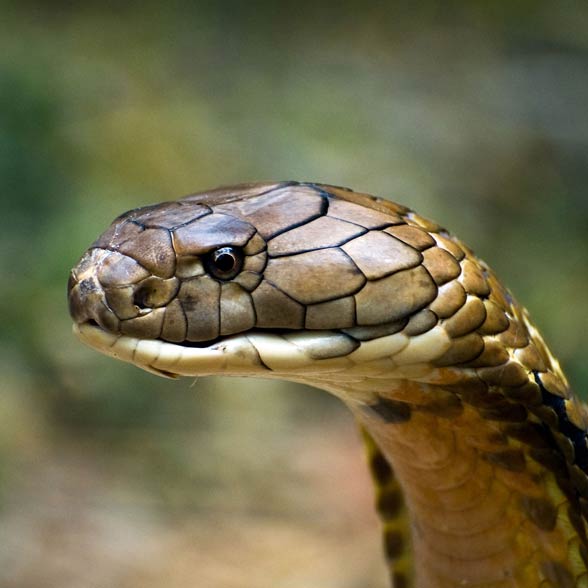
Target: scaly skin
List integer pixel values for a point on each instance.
(453, 386)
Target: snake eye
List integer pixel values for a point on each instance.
(224, 263)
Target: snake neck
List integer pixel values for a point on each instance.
(481, 498)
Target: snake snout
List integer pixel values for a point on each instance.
(87, 303)
(86, 291)
(111, 290)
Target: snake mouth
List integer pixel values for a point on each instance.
(262, 353)
(233, 355)
(303, 355)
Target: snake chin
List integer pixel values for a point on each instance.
(93, 335)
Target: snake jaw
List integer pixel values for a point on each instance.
(237, 355)
(116, 346)
(330, 360)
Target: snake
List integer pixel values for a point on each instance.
(476, 443)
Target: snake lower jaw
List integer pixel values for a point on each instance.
(296, 356)
(161, 358)
(95, 337)
(235, 355)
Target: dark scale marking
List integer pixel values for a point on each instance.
(565, 446)
(530, 433)
(510, 459)
(546, 415)
(580, 481)
(393, 544)
(550, 459)
(474, 392)
(540, 511)
(487, 400)
(381, 469)
(576, 435)
(505, 412)
(87, 286)
(577, 521)
(558, 575)
(568, 490)
(390, 503)
(391, 411)
(399, 580)
(528, 394)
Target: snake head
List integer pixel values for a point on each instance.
(166, 271)
(257, 267)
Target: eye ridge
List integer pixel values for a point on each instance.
(224, 263)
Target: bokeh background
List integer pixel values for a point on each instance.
(474, 113)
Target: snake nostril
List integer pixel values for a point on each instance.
(154, 292)
(142, 296)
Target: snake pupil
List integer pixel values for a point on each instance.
(225, 263)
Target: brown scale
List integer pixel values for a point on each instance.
(486, 438)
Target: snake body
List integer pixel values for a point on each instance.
(477, 445)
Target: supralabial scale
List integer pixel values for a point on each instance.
(476, 443)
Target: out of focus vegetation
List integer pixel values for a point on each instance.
(474, 113)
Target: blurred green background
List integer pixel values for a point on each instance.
(473, 113)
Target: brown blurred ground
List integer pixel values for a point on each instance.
(473, 113)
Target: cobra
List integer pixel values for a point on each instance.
(476, 443)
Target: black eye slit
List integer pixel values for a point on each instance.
(224, 263)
